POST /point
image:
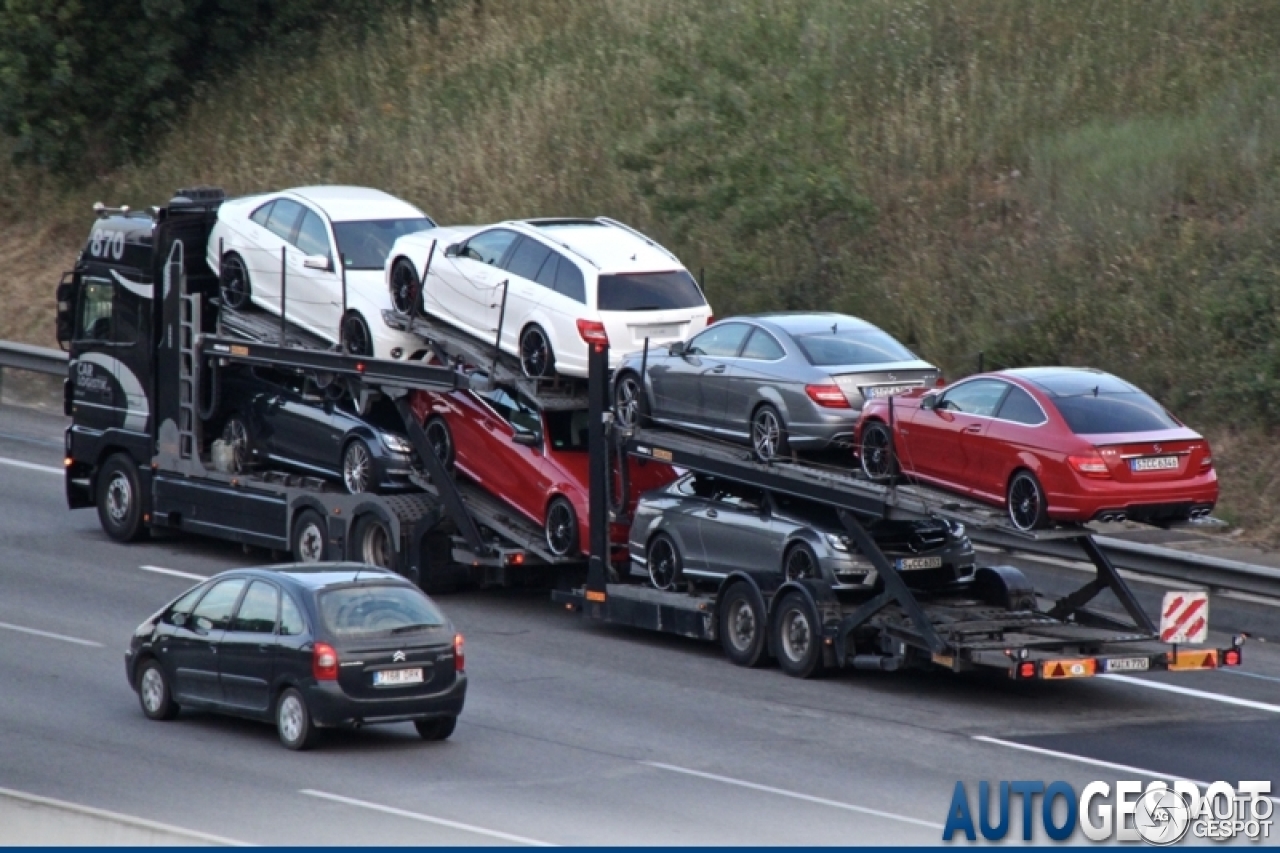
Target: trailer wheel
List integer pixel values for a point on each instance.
(742, 626)
(797, 637)
(308, 540)
(663, 562)
(120, 499)
(372, 542)
(233, 283)
(405, 286)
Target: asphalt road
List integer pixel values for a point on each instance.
(573, 733)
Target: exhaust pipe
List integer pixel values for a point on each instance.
(883, 663)
(1120, 516)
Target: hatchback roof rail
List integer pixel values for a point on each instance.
(625, 227)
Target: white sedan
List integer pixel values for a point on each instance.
(279, 246)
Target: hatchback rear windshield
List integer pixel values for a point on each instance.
(1131, 411)
(365, 245)
(364, 611)
(852, 346)
(650, 291)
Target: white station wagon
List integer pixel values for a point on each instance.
(569, 283)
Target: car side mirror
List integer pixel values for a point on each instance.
(178, 619)
(678, 349)
(318, 262)
(452, 250)
(527, 439)
(929, 401)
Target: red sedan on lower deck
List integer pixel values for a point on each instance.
(1049, 443)
(532, 459)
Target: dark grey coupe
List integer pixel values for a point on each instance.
(776, 381)
(700, 528)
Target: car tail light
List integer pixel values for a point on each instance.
(593, 332)
(940, 382)
(711, 319)
(459, 657)
(827, 396)
(1091, 466)
(324, 662)
(1206, 462)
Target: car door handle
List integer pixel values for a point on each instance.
(711, 513)
(973, 428)
(264, 648)
(717, 369)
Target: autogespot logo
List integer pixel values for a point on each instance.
(1159, 813)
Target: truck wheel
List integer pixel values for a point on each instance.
(405, 286)
(308, 543)
(797, 637)
(233, 283)
(154, 694)
(120, 499)
(372, 542)
(663, 562)
(293, 721)
(437, 729)
(561, 527)
(742, 626)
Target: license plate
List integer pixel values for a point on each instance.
(654, 333)
(388, 677)
(888, 390)
(1126, 664)
(1154, 463)
(909, 563)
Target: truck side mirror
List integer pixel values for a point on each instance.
(64, 324)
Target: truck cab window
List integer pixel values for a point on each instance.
(95, 311)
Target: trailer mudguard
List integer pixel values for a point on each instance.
(1004, 586)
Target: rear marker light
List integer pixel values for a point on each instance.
(827, 396)
(593, 332)
(459, 660)
(324, 662)
(1026, 669)
(1231, 657)
(1090, 466)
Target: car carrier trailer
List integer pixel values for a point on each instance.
(995, 622)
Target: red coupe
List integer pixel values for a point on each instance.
(533, 460)
(1049, 443)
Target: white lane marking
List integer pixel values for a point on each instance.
(439, 821)
(51, 636)
(1198, 694)
(31, 466)
(782, 792)
(117, 817)
(161, 570)
(1080, 759)
(1249, 674)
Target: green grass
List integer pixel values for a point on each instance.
(1089, 183)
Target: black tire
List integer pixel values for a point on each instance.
(235, 432)
(293, 721)
(800, 562)
(769, 435)
(154, 694)
(1028, 509)
(630, 402)
(356, 337)
(536, 358)
(561, 527)
(233, 282)
(797, 637)
(879, 460)
(440, 437)
(742, 626)
(371, 543)
(309, 539)
(438, 729)
(358, 468)
(406, 287)
(663, 562)
(120, 499)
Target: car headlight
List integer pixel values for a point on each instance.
(396, 443)
(839, 543)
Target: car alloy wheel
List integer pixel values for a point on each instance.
(801, 563)
(356, 339)
(535, 353)
(561, 528)
(876, 452)
(768, 438)
(357, 467)
(441, 440)
(236, 434)
(404, 286)
(293, 721)
(664, 563)
(233, 284)
(1027, 508)
(626, 400)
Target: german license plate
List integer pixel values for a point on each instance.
(906, 564)
(1154, 463)
(1126, 664)
(888, 390)
(390, 677)
(654, 333)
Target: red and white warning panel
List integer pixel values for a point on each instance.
(1184, 617)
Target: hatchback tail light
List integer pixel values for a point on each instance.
(827, 396)
(1092, 466)
(459, 658)
(593, 332)
(324, 662)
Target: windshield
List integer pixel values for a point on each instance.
(852, 346)
(365, 245)
(363, 611)
(1130, 411)
(650, 291)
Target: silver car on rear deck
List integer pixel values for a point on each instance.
(780, 382)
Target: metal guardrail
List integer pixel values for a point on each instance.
(1200, 570)
(16, 356)
(1214, 573)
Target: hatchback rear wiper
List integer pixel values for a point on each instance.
(417, 626)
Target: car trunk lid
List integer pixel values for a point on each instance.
(414, 664)
(861, 383)
(1161, 456)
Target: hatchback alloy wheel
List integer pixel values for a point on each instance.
(152, 690)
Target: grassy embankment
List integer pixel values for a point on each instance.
(1080, 183)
